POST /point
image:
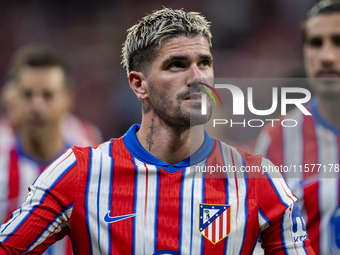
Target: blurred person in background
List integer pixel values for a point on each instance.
(37, 127)
(313, 146)
(8, 122)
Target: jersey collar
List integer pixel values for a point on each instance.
(136, 149)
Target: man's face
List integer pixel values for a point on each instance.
(44, 97)
(322, 54)
(180, 61)
(12, 104)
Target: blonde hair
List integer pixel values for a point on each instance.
(140, 47)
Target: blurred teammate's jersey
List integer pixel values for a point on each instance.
(19, 170)
(79, 132)
(313, 141)
(119, 199)
(6, 136)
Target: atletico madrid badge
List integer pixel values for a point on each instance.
(214, 221)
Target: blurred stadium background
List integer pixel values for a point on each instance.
(251, 39)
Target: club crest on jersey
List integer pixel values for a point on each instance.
(214, 221)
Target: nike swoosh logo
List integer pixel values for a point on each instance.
(110, 219)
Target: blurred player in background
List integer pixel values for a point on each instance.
(316, 138)
(38, 128)
(8, 123)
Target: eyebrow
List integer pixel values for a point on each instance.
(319, 36)
(184, 57)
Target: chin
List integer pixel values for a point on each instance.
(330, 95)
(199, 119)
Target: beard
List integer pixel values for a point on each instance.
(327, 89)
(172, 113)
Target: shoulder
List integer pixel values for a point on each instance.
(87, 150)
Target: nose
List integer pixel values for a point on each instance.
(37, 101)
(195, 74)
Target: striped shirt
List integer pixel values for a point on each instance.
(119, 199)
(310, 150)
(18, 171)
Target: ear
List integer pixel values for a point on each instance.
(138, 84)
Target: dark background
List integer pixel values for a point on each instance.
(251, 39)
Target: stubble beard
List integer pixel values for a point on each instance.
(329, 94)
(172, 114)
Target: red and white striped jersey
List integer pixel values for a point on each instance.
(18, 171)
(119, 199)
(309, 150)
(6, 135)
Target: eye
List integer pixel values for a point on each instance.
(205, 62)
(48, 95)
(27, 94)
(336, 40)
(315, 42)
(176, 64)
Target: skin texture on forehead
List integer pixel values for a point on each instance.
(323, 24)
(322, 47)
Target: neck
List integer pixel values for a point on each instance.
(169, 144)
(45, 146)
(330, 110)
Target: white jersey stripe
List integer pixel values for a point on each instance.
(4, 189)
(29, 170)
(287, 235)
(139, 242)
(279, 185)
(210, 231)
(151, 210)
(186, 206)
(242, 210)
(104, 197)
(225, 222)
(232, 198)
(217, 230)
(92, 199)
(328, 154)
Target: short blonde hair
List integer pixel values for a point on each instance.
(140, 47)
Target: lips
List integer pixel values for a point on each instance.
(194, 96)
(35, 120)
(328, 74)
